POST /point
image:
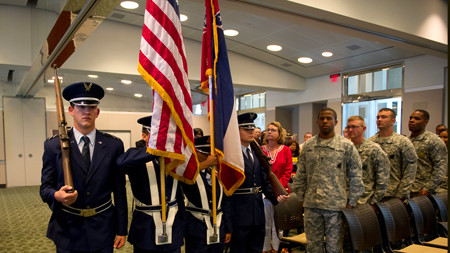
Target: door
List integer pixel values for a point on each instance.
(24, 128)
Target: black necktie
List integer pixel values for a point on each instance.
(85, 152)
(249, 156)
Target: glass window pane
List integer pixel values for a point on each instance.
(395, 78)
(248, 101)
(255, 100)
(260, 120)
(237, 104)
(262, 99)
(379, 82)
(353, 85)
(366, 82)
(242, 102)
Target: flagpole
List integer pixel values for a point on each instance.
(213, 168)
(162, 174)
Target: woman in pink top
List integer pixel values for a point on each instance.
(281, 159)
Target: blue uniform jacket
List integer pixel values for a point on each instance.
(94, 187)
(142, 229)
(196, 227)
(248, 209)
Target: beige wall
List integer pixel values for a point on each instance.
(432, 99)
(2, 153)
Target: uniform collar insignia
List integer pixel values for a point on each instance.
(87, 87)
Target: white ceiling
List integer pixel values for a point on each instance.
(255, 33)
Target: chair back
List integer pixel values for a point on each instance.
(441, 207)
(288, 215)
(423, 215)
(364, 228)
(396, 221)
(444, 197)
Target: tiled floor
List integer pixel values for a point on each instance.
(24, 218)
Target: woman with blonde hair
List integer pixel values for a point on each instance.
(281, 159)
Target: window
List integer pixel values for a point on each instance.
(251, 101)
(364, 93)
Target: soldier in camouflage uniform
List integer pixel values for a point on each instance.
(375, 163)
(443, 187)
(327, 163)
(401, 154)
(432, 155)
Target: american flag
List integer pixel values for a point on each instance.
(162, 63)
(226, 130)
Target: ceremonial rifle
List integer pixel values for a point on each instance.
(63, 136)
(277, 187)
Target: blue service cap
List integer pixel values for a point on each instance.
(203, 144)
(246, 120)
(83, 93)
(146, 122)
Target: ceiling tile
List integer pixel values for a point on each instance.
(324, 37)
(255, 53)
(374, 58)
(246, 23)
(295, 40)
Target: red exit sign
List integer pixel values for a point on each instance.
(334, 77)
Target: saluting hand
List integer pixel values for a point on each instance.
(64, 197)
(282, 198)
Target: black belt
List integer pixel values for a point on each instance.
(200, 210)
(87, 212)
(253, 190)
(156, 207)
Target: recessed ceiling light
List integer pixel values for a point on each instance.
(109, 88)
(93, 76)
(138, 95)
(183, 17)
(129, 5)
(274, 48)
(327, 54)
(385, 69)
(230, 32)
(50, 81)
(125, 81)
(305, 60)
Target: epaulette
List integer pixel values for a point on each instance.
(112, 136)
(51, 137)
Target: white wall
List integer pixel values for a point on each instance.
(317, 89)
(430, 18)
(424, 71)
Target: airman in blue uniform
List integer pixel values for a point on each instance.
(85, 220)
(199, 226)
(145, 184)
(248, 207)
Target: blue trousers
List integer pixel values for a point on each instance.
(194, 244)
(248, 239)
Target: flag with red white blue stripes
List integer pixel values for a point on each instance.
(162, 63)
(226, 131)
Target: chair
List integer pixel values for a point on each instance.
(425, 222)
(287, 216)
(396, 228)
(364, 228)
(439, 202)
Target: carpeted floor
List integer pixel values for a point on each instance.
(24, 219)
